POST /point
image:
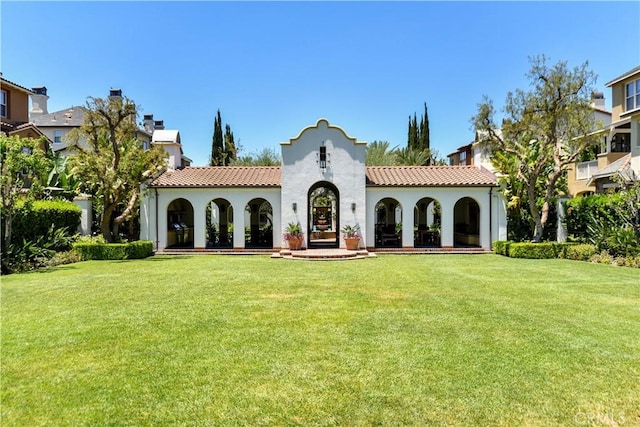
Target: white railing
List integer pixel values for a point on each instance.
(584, 170)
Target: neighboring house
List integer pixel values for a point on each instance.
(57, 125)
(14, 105)
(323, 184)
(473, 154)
(620, 149)
(14, 112)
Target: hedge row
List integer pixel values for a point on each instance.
(32, 220)
(545, 250)
(132, 250)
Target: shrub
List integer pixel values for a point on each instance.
(531, 250)
(501, 247)
(33, 220)
(580, 213)
(31, 254)
(581, 252)
(60, 258)
(544, 250)
(103, 251)
(139, 249)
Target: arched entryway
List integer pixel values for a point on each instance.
(466, 223)
(180, 224)
(219, 224)
(258, 233)
(323, 224)
(427, 223)
(388, 232)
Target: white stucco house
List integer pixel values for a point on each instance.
(323, 184)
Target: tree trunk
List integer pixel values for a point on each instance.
(105, 223)
(535, 214)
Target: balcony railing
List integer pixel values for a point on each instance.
(584, 170)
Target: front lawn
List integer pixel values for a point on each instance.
(396, 340)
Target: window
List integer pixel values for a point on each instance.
(3, 103)
(621, 143)
(632, 95)
(463, 158)
(57, 136)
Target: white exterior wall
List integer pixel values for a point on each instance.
(408, 197)
(345, 170)
(199, 197)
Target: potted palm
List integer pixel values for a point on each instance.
(351, 236)
(294, 236)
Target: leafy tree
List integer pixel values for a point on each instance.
(265, 157)
(60, 182)
(24, 165)
(112, 164)
(230, 151)
(545, 129)
(217, 143)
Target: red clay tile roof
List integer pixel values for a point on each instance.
(269, 176)
(220, 176)
(429, 176)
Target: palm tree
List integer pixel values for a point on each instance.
(378, 154)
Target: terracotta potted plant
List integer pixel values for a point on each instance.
(351, 236)
(294, 236)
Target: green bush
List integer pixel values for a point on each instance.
(581, 252)
(114, 251)
(139, 249)
(544, 250)
(501, 247)
(33, 220)
(580, 213)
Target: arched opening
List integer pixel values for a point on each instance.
(427, 220)
(466, 220)
(323, 225)
(180, 224)
(388, 224)
(219, 224)
(258, 234)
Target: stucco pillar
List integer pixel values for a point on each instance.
(199, 226)
(446, 232)
(86, 217)
(407, 227)
(238, 227)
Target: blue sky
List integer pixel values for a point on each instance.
(273, 68)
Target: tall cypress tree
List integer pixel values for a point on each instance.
(413, 133)
(230, 151)
(424, 130)
(217, 145)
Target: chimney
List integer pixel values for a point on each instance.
(158, 124)
(148, 123)
(38, 101)
(597, 100)
(115, 93)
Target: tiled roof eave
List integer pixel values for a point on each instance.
(433, 185)
(214, 186)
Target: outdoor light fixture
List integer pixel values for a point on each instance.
(322, 157)
(294, 207)
(353, 207)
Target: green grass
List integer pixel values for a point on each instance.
(396, 340)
